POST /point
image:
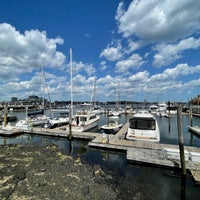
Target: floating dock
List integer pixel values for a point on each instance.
(157, 154)
(194, 129)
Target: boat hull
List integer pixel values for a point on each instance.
(111, 129)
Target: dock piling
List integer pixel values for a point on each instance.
(5, 115)
(190, 114)
(180, 138)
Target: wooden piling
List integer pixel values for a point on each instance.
(5, 115)
(190, 114)
(169, 126)
(180, 138)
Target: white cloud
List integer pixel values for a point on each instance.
(168, 53)
(103, 65)
(176, 72)
(133, 62)
(140, 76)
(22, 53)
(156, 20)
(112, 52)
(78, 67)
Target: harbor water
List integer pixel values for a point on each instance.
(136, 180)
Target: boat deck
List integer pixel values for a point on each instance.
(136, 151)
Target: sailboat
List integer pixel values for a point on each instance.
(83, 120)
(117, 110)
(94, 107)
(34, 117)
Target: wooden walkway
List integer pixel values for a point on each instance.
(194, 129)
(137, 151)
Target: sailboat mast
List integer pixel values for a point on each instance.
(94, 93)
(42, 87)
(71, 82)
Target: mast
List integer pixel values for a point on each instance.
(94, 93)
(117, 96)
(43, 87)
(46, 85)
(71, 108)
(71, 104)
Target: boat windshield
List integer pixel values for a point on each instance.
(145, 124)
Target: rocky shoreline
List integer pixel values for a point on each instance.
(36, 172)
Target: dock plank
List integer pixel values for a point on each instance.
(194, 129)
(196, 176)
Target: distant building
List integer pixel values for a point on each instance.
(14, 99)
(196, 100)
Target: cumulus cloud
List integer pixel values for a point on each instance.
(112, 52)
(133, 62)
(176, 72)
(155, 20)
(140, 76)
(103, 65)
(78, 67)
(168, 53)
(22, 53)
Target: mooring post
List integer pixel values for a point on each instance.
(180, 138)
(169, 127)
(70, 124)
(5, 115)
(190, 114)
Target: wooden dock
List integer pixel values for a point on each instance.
(137, 151)
(194, 129)
(9, 132)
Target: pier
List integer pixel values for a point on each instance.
(194, 129)
(155, 154)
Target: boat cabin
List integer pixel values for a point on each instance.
(142, 123)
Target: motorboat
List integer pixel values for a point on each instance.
(83, 121)
(112, 126)
(59, 119)
(153, 109)
(31, 120)
(23, 125)
(143, 126)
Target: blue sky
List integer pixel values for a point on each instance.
(149, 50)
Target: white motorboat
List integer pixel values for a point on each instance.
(83, 121)
(60, 118)
(143, 127)
(112, 126)
(23, 125)
(153, 109)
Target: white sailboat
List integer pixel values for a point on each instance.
(84, 119)
(34, 117)
(117, 111)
